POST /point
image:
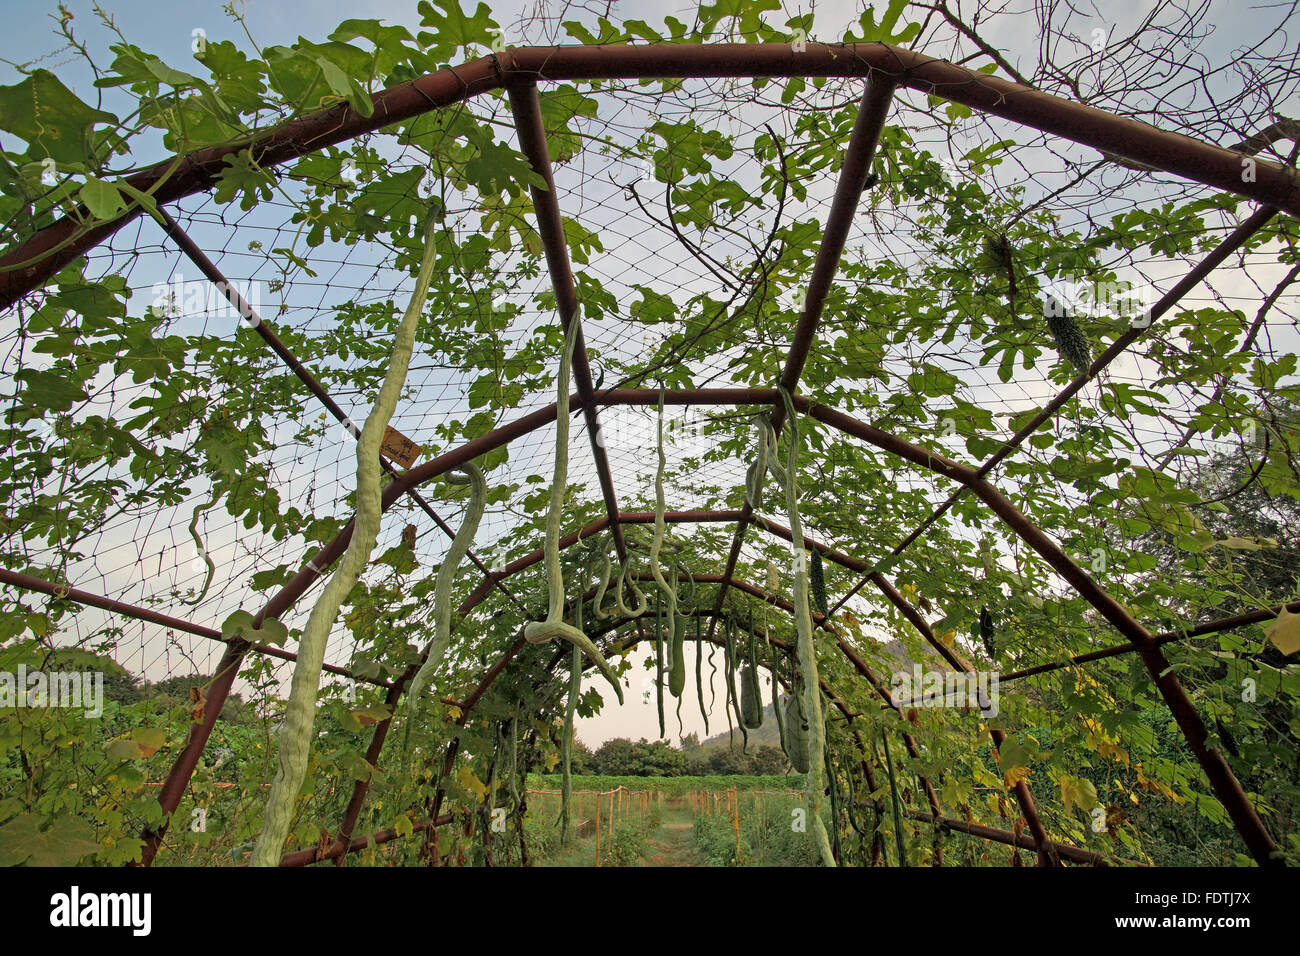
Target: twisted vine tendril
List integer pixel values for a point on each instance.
(198, 543)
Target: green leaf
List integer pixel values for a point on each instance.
(50, 118)
(453, 29)
(102, 199)
(50, 389)
(66, 841)
(1078, 792)
(240, 624)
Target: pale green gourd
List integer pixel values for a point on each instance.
(300, 710)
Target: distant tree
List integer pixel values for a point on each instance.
(729, 760)
(119, 684)
(662, 760)
(621, 757)
(769, 760)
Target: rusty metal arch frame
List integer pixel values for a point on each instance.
(518, 70)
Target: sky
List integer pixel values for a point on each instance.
(169, 30)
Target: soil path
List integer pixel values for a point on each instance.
(672, 843)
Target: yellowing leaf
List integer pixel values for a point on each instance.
(149, 740)
(1078, 792)
(1014, 775)
(472, 783)
(1156, 786)
(1285, 632)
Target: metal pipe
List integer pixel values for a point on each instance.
(1226, 786)
(1234, 241)
(337, 850)
(527, 108)
(867, 126)
(90, 599)
(34, 261)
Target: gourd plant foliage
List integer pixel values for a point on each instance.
(211, 407)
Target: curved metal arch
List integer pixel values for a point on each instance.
(32, 263)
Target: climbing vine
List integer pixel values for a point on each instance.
(171, 455)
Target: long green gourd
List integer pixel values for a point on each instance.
(818, 583)
(300, 710)
(659, 661)
(757, 471)
(833, 779)
(677, 664)
(570, 709)
(899, 834)
(641, 605)
(733, 699)
(666, 590)
(470, 474)
(796, 728)
(751, 695)
(807, 651)
(677, 659)
(539, 632)
(776, 685)
(198, 544)
(699, 658)
(599, 612)
(776, 694)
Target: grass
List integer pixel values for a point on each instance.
(672, 823)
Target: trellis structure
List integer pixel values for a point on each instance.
(883, 68)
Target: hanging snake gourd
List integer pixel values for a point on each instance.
(198, 544)
(807, 650)
(670, 624)
(699, 673)
(900, 836)
(733, 699)
(596, 609)
(751, 695)
(818, 583)
(776, 694)
(641, 605)
(796, 728)
(570, 709)
(677, 661)
(539, 632)
(437, 650)
(659, 661)
(300, 710)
